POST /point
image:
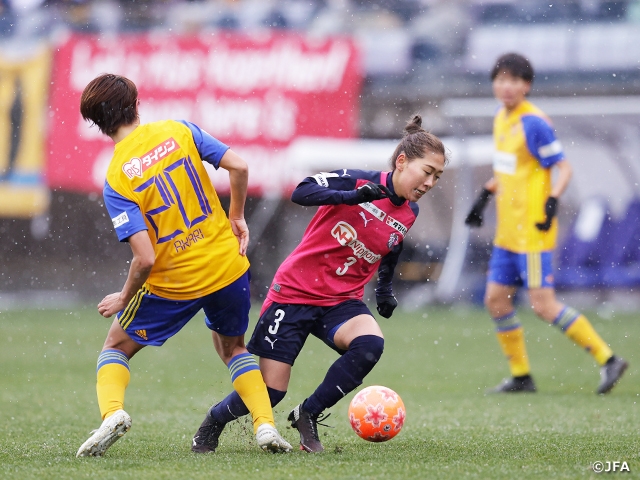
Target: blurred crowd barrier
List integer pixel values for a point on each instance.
(23, 93)
(256, 94)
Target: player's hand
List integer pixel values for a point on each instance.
(550, 210)
(372, 191)
(475, 217)
(241, 231)
(111, 304)
(386, 305)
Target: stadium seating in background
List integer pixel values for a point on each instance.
(621, 259)
(600, 252)
(579, 254)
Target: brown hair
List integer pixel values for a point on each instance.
(110, 102)
(415, 140)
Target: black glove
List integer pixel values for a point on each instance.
(550, 209)
(474, 218)
(386, 305)
(371, 191)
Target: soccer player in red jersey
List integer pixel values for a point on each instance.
(358, 230)
(187, 255)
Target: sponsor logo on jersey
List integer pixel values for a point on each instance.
(364, 217)
(504, 162)
(120, 219)
(347, 237)
(136, 166)
(373, 210)
(276, 287)
(321, 178)
(344, 233)
(393, 240)
(133, 168)
(395, 224)
(142, 334)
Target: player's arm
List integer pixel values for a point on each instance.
(560, 185)
(491, 185)
(130, 227)
(475, 217)
(385, 300)
(543, 144)
(218, 154)
(144, 257)
(336, 188)
(239, 179)
(565, 171)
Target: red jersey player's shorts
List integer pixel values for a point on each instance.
(283, 328)
(152, 320)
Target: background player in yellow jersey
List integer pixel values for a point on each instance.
(187, 255)
(526, 151)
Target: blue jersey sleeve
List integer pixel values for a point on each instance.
(542, 141)
(125, 214)
(210, 149)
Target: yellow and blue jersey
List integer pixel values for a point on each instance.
(156, 181)
(525, 150)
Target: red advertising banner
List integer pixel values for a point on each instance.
(258, 94)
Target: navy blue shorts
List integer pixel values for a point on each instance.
(283, 328)
(152, 320)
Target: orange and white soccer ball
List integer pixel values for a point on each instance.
(377, 414)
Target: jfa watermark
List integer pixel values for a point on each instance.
(610, 467)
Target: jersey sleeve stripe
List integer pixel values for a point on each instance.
(550, 150)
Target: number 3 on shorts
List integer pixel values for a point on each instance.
(273, 329)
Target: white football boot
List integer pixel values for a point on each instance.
(112, 429)
(270, 440)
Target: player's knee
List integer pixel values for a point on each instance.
(538, 309)
(545, 312)
(368, 347)
(496, 305)
(490, 301)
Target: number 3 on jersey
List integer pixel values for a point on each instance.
(273, 329)
(350, 261)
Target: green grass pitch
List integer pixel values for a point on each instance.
(439, 360)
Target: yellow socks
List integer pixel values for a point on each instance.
(113, 378)
(511, 338)
(579, 329)
(574, 325)
(247, 381)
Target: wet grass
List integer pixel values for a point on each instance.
(439, 360)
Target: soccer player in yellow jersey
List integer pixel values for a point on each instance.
(187, 255)
(526, 151)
